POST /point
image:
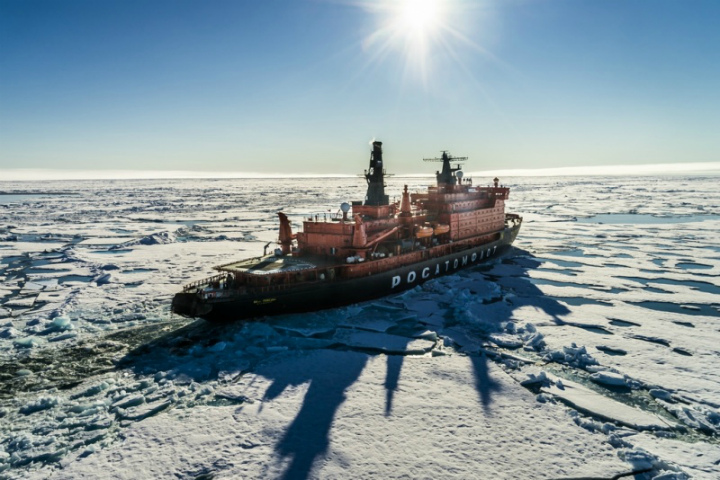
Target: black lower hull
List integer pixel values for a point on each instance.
(329, 294)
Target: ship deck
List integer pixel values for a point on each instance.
(271, 264)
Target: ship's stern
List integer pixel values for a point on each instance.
(188, 304)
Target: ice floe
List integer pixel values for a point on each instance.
(590, 350)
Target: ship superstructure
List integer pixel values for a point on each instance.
(372, 249)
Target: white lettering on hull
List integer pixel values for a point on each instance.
(457, 262)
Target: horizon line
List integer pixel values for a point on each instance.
(661, 169)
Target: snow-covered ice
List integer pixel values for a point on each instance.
(589, 350)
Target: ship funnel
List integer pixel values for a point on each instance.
(286, 235)
(405, 204)
(375, 176)
(377, 149)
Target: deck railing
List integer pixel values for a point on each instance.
(208, 281)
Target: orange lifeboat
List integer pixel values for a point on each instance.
(423, 232)
(440, 229)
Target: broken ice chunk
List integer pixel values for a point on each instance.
(573, 355)
(27, 342)
(127, 402)
(9, 332)
(103, 279)
(661, 394)
(60, 324)
(609, 378)
(638, 458)
(383, 342)
(42, 403)
(539, 379)
(508, 341)
(534, 341)
(587, 401)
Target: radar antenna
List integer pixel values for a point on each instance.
(447, 175)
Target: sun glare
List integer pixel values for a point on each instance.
(418, 16)
(420, 32)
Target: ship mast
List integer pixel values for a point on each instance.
(375, 178)
(447, 175)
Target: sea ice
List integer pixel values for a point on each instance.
(697, 460)
(619, 296)
(587, 401)
(41, 403)
(300, 417)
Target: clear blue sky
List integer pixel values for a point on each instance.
(304, 85)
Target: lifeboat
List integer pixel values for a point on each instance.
(423, 232)
(440, 229)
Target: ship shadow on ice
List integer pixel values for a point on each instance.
(307, 438)
(328, 371)
(485, 385)
(329, 375)
(510, 274)
(513, 278)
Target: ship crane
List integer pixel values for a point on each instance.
(447, 175)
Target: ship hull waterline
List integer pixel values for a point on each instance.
(339, 292)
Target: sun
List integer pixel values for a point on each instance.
(417, 32)
(418, 17)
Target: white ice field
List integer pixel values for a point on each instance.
(590, 350)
